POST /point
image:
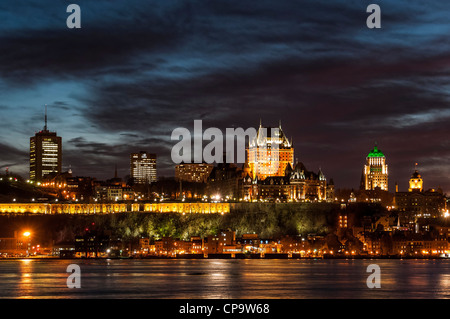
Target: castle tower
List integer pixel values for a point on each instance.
(269, 153)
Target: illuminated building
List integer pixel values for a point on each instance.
(45, 153)
(415, 182)
(419, 203)
(15, 245)
(193, 172)
(376, 171)
(269, 173)
(297, 184)
(217, 244)
(143, 167)
(115, 207)
(269, 153)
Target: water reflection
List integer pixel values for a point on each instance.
(26, 269)
(237, 279)
(444, 285)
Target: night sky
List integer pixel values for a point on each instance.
(137, 70)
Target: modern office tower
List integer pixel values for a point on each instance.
(376, 171)
(45, 153)
(269, 153)
(193, 172)
(143, 167)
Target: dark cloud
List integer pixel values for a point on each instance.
(13, 158)
(146, 68)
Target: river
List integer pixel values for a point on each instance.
(219, 279)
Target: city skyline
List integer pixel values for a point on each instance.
(315, 68)
(374, 157)
(173, 167)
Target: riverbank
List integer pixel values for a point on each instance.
(236, 256)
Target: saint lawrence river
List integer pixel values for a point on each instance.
(229, 279)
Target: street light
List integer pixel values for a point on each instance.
(26, 236)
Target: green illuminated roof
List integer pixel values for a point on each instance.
(375, 153)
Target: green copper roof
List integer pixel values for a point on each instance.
(375, 153)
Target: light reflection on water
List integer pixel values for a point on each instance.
(237, 279)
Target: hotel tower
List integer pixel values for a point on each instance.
(269, 153)
(376, 171)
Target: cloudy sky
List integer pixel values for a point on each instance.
(136, 70)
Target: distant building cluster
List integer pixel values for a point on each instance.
(192, 172)
(365, 237)
(269, 174)
(418, 202)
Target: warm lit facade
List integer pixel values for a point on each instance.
(193, 172)
(415, 182)
(45, 154)
(376, 171)
(143, 167)
(297, 184)
(269, 174)
(269, 153)
(109, 208)
(419, 203)
(17, 245)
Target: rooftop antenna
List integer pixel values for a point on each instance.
(45, 118)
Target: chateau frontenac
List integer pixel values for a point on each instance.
(270, 173)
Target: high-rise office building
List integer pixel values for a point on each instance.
(143, 167)
(45, 153)
(376, 170)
